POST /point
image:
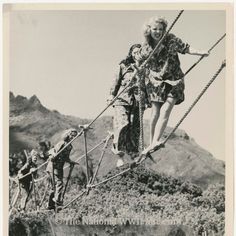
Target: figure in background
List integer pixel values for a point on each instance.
(126, 120)
(26, 183)
(165, 84)
(44, 149)
(55, 167)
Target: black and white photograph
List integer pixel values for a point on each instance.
(117, 119)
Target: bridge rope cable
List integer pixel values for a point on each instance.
(185, 115)
(141, 128)
(213, 46)
(91, 150)
(142, 160)
(135, 74)
(15, 197)
(140, 96)
(196, 100)
(43, 164)
(77, 161)
(101, 158)
(162, 39)
(194, 65)
(95, 173)
(115, 98)
(200, 95)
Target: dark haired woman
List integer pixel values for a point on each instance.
(126, 108)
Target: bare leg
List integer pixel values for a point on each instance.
(163, 115)
(163, 120)
(155, 113)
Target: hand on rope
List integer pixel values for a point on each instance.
(148, 155)
(110, 100)
(73, 163)
(205, 53)
(33, 170)
(142, 66)
(136, 72)
(85, 127)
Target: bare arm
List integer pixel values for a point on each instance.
(196, 52)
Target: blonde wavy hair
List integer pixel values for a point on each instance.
(147, 27)
(67, 133)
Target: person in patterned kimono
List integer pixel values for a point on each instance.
(55, 167)
(165, 84)
(126, 108)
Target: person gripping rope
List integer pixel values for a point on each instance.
(165, 84)
(26, 183)
(126, 122)
(55, 167)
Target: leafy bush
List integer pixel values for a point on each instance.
(142, 193)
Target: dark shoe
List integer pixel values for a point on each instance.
(117, 152)
(58, 203)
(133, 164)
(133, 155)
(51, 208)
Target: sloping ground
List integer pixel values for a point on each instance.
(141, 193)
(187, 160)
(31, 122)
(137, 199)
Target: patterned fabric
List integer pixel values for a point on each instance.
(126, 128)
(126, 117)
(165, 63)
(130, 95)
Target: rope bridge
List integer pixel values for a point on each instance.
(137, 74)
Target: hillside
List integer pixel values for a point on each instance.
(31, 122)
(139, 202)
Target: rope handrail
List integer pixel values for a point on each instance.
(196, 100)
(91, 150)
(17, 178)
(200, 95)
(213, 46)
(152, 151)
(194, 103)
(101, 157)
(135, 73)
(140, 106)
(162, 39)
(141, 66)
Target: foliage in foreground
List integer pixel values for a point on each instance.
(142, 193)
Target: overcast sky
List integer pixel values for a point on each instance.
(68, 59)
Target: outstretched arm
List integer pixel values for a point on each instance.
(193, 51)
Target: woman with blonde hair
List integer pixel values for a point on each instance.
(165, 84)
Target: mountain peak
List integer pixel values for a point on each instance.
(19, 104)
(12, 96)
(34, 101)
